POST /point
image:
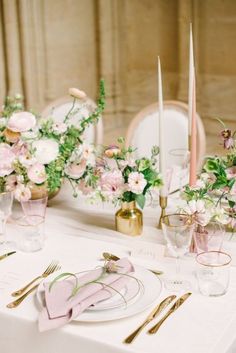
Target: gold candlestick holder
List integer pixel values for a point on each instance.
(163, 205)
(189, 142)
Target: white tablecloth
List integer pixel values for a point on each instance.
(77, 236)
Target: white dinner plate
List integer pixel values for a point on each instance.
(137, 302)
(129, 294)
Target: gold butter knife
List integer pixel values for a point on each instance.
(150, 317)
(6, 255)
(174, 307)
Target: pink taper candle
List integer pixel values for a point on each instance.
(193, 150)
(190, 84)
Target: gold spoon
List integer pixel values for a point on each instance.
(108, 256)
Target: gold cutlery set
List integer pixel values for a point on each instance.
(25, 291)
(154, 313)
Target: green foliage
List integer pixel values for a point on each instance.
(2, 184)
(140, 199)
(12, 105)
(93, 118)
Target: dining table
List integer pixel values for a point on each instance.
(77, 233)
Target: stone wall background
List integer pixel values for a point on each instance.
(50, 45)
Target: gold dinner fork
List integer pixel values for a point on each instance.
(50, 269)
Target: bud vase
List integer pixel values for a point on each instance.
(129, 219)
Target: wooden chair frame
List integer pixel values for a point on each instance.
(182, 107)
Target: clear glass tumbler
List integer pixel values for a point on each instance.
(35, 207)
(31, 233)
(213, 273)
(6, 200)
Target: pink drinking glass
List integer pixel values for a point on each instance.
(35, 207)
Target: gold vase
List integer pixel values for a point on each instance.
(41, 191)
(38, 191)
(129, 219)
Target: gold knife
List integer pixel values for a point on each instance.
(150, 317)
(6, 255)
(174, 307)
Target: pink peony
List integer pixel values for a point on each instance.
(7, 158)
(22, 193)
(76, 171)
(21, 122)
(37, 173)
(136, 182)
(112, 183)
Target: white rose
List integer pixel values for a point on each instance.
(46, 150)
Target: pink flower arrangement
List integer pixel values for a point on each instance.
(119, 177)
(35, 156)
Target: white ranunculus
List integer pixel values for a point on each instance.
(46, 150)
(21, 122)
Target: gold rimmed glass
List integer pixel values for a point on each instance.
(6, 200)
(31, 233)
(213, 273)
(178, 231)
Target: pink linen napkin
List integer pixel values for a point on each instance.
(60, 310)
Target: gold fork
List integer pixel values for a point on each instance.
(50, 269)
